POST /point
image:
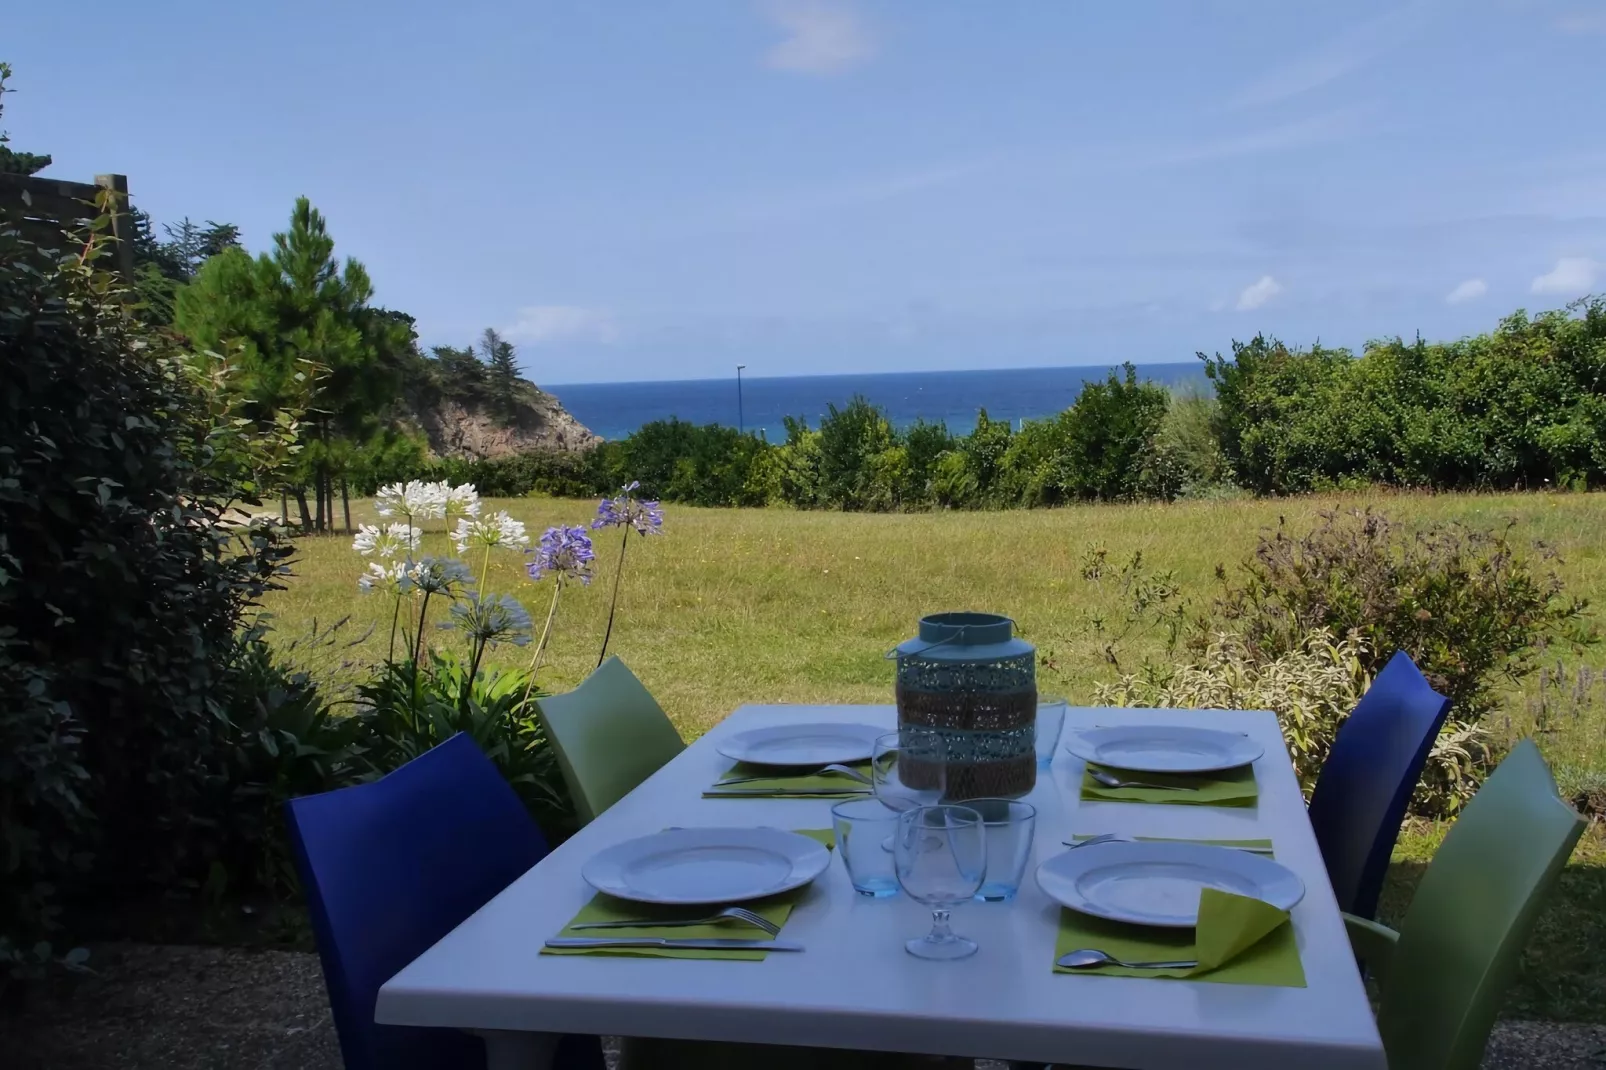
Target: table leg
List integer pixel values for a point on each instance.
(506, 1050)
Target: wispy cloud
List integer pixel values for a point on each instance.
(1258, 293)
(822, 37)
(1571, 277)
(1582, 22)
(1328, 126)
(1470, 290)
(1344, 54)
(545, 324)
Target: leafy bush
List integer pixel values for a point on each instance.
(406, 710)
(857, 467)
(1312, 687)
(286, 741)
(1185, 459)
(1109, 432)
(1471, 609)
(1521, 406)
(123, 580)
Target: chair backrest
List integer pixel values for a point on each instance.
(1473, 911)
(1361, 794)
(609, 735)
(390, 867)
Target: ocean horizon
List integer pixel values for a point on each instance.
(615, 410)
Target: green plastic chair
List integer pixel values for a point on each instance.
(609, 735)
(1443, 975)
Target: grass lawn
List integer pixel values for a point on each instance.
(734, 606)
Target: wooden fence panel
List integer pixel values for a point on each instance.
(46, 208)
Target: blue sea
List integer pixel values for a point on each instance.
(614, 410)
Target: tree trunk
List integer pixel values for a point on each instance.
(318, 492)
(284, 507)
(345, 502)
(301, 501)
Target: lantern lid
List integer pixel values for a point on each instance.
(965, 637)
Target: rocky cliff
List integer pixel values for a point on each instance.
(474, 428)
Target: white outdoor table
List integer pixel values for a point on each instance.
(856, 987)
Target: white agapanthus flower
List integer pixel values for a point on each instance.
(415, 500)
(462, 501)
(441, 575)
(389, 540)
(489, 532)
(395, 577)
(493, 619)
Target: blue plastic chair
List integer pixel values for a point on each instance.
(1363, 790)
(389, 868)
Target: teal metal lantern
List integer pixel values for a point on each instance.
(967, 697)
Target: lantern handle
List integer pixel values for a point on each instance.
(893, 655)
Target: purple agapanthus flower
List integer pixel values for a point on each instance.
(564, 552)
(626, 510)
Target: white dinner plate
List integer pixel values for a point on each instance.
(1160, 748)
(1152, 883)
(802, 744)
(706, 865)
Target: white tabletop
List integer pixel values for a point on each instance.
(855, 986)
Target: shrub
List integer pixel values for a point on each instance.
(407, 709)
(1108, 432)
(1469, 608)
(286, 741)
(123, 579)
(1520, 406)
(1312, 687)
(855, 470)
(1185, 458)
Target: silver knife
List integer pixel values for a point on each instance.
(688, 944)
(717, 790)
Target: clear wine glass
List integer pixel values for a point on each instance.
(908, 769)
(940, 856)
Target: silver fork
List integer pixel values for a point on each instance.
(845, 770)
(741, 914)
(1110, 780)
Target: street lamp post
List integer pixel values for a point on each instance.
(739, 428)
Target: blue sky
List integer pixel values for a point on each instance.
(660, 190)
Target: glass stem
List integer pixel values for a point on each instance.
(940, 930)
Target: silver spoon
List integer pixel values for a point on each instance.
(1109, 780)
(844, 770)
(1091, 958)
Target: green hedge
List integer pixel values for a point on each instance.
(1523, 406)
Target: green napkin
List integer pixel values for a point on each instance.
(1231, 787)
(789, 786)
(776, 908)
(1239, 940)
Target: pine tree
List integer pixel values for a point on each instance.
(297, 314)
(498, 355)
(13, 162)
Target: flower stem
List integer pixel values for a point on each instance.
(418, 640)
(613, 603)
(485, 570)
(540, 647)
(473, 671)
(395, 615)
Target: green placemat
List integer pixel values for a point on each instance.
(1233, 787)
(1245, 941)
(826, 785)
(776, 908)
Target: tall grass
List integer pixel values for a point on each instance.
(772, 605)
